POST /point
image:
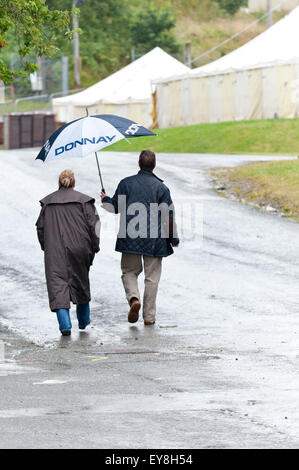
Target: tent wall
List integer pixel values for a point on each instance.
(262, 93)
(140, 112)
(63, 112)
(127, 92)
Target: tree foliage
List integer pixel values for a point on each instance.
(110, 28)
(33, 28)
(231, 6)
(104, 42)
(153, 27)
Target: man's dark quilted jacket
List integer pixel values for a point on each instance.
(145, 188)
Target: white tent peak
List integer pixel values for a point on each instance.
(130, 84)
(277, 45)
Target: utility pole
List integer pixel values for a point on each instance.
(77, 62)
(269, 10)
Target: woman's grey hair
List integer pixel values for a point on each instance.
(66, 179)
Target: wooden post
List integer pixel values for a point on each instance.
(133, 55)
(188, 54)
(269, 10)
(41, 75)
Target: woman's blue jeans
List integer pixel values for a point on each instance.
(64, 320)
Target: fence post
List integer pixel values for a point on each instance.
(64, 75)
(188, 54)
(41, 72)
(133, 54)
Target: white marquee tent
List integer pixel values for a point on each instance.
(262, 5)
(259, 80)
(127, 92)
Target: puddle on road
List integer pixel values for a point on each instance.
(23, 413)
(166, 402)
(11, 368)
(53, 382)
(167, 326)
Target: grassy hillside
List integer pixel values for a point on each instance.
(273, 137)
(205, 25)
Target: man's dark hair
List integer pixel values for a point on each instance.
(147, 160)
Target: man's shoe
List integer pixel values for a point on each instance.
(148, 322)
(65, 332)
(134, 311)
(81, 327)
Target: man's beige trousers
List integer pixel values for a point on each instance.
(131, 266)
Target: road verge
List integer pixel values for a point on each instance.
(269, 186)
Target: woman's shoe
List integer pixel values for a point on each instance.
(82, 327)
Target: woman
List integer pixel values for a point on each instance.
(68, 232)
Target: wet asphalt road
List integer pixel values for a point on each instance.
(220, 367)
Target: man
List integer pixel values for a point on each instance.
(148, 236)
(68, 232)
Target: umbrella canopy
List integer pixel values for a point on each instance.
(86, 135)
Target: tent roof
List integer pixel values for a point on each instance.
(277, 45)
(130, 84)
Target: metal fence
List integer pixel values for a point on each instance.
(36, 92)
(51, 77)
(37, 102)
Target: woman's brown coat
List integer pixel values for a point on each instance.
(68, 232)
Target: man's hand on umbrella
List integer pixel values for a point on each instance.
(103, 195)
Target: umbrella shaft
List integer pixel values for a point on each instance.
(99, 172)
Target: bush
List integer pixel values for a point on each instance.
(152, 27)
(231, 6)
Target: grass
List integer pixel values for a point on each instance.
(205, 25)
(26, 105)
(274, 184)
(272, 137)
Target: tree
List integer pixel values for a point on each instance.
(104, 40)
(110, 28)
(103, 43)
(151, 28)
(231, 6)
(33, 27)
